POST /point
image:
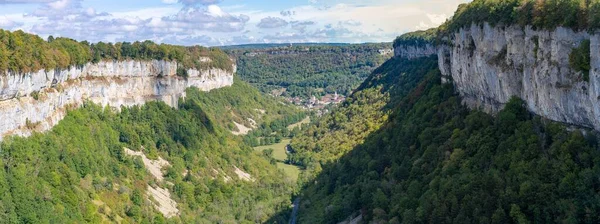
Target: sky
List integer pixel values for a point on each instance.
(225, 22)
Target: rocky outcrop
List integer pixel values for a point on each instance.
(37, 101)
(489, 65)
(414, 51)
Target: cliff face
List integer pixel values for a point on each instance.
(489, 65)
(37, 101)
(411, 52)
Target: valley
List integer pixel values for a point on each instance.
(279, 153)
(490, 117)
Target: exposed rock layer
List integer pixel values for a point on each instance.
(489, 65)
(37, 101)
(411, 52)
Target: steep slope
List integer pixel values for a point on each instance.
(544, 52)
(40, 80)
(98, 165)
(364, 112)
(434, 161)
(243, 105)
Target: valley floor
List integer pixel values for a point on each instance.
(280, 155)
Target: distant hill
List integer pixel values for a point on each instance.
(306, 70)
(263, 46)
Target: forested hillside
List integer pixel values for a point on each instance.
(80, 172)
(304, 71)
(244, 105)
(364, 111)
(434, 161)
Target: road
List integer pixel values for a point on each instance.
(294, 217)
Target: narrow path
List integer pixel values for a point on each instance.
(294, 217)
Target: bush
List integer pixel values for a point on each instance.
(182, 72)
(35, 95)
(579, 59)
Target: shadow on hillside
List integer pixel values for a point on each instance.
(406, 79)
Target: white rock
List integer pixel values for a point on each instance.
(544, 80)
(112, 83)
(411, 52)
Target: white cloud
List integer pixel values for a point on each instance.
(61, 4)
(208, 22)
(272, 22)
(199, 2)
(23, 1)
(9, 24)
(214, 10)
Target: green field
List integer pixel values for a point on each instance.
(299, 124)
(280, 155)
(278, 149)
(290, 170)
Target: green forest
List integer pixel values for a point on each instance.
(547, 14)
(434, 161)
(78, 172)
(306, 71)
(417, 38)
(22, 52)
(402, 147)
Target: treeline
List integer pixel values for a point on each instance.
(435, 161)
(272, 132)
(548, 14)
(305, 71)
(22, 52)
(418, 38)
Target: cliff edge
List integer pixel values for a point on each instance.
(36, 101)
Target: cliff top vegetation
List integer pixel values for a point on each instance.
(23, 52)
(548, 14)
(417, 38)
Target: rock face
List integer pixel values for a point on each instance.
(411, 52)
(37, 101)
(488, 65)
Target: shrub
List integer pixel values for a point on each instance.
(35, 95)
(182, 72)
(579, 59)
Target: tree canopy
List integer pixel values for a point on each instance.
(22, 52)
(306, 71)
(434, 161)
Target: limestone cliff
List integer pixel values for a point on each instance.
(488, 65)
(37, 101)
(414, 51)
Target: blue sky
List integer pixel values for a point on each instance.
(225, 22)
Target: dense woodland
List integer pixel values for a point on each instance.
(306, 71)
(362, 113)
(417, 38)
(579, 15)
(22, 52)
(548, 14)
(78, 171)
(238, 104)
(401, 149)
(434, 161)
